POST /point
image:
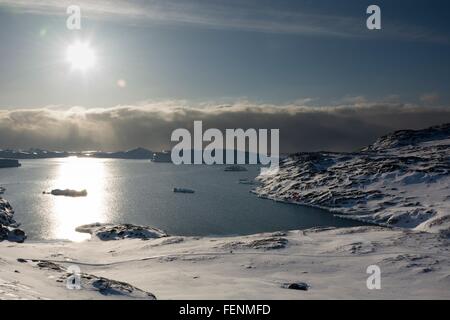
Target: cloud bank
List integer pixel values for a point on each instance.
(302, 128)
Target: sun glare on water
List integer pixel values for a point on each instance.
(69, 213)
(81, 56)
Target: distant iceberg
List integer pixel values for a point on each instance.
(246, 181)
(68, 193)
(183, 190)
(235, 168)
(164, 157)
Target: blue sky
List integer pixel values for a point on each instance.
(266, 51)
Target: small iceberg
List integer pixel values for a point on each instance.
(246, 181)
(67, 193)
(183, 190)
(235, 168)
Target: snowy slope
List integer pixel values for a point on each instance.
(333, 262)
(402, 180)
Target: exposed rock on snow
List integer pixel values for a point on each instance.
(8, 226)
(107, 232)
(296, 286)
(104, 286)
(403, 179)
(111, 287)
(269, 243)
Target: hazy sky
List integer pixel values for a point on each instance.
(209, 53)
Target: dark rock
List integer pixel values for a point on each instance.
(104, 286)
(12, 234)
(50, 266)
(302, 286)
(111, 287)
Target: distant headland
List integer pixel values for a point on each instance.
(9, 163)
(35, 153)
(133, 154)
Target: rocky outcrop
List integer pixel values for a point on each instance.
(138, 153)
(403, 180)
(104, 286)
(12, 234)
(107, 232)
(9, 230)
(6, 214)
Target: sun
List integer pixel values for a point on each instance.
(81, 56)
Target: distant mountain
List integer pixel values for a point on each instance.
(31, 154)
(244, 154)
(138, 153)
(165, 156)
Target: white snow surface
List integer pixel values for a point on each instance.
(333, 262)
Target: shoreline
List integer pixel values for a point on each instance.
(334, 211)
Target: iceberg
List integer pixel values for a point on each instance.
(67, 193)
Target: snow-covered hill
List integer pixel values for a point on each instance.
(402, 180)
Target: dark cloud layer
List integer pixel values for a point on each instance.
(302, 128)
